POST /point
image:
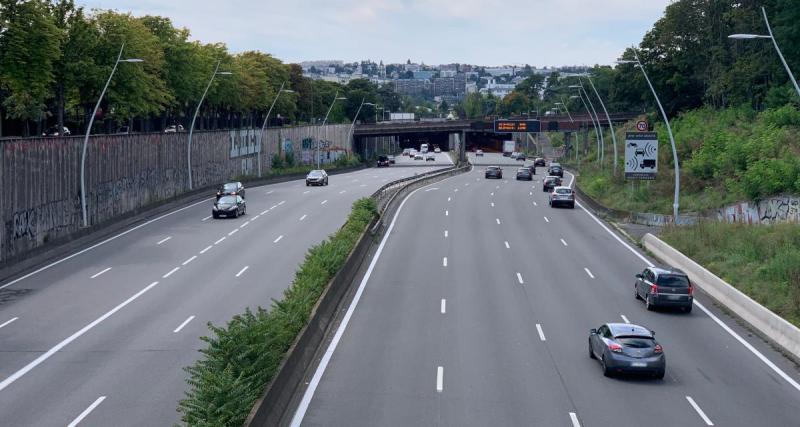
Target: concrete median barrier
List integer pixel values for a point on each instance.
(765, 322)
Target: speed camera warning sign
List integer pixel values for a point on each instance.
(641, 155)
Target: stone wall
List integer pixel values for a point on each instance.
(769, 211)
(40, 177)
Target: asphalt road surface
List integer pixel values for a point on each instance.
(479, 315)
(442, 159)
(101, 338)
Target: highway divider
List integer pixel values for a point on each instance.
(764, 321)
(254, 367)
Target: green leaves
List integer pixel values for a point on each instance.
(242, 357)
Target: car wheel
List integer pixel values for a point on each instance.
(636, 293)
(307, 184)
(572, 206)
(244, 211)
(215, 215)
(648, 304)
(659, 375)
(606, 369)
(687, 309)
(326, 181)
(591, 353)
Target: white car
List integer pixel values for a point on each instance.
(430, 157)
(418, 156)
(479, 153)
(514, 155)
(437, 150)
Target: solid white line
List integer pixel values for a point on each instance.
(588, 272)
(519, 278)
(699, 305)
(546, 220)
(564, 243)
(297, 419)
(206, 249)
(699, 411)
(541, 332)
(498, 220)
(194, 257)
(101, 272)
(446, 213)
(7, 322)
(220, 240)
(443, 307)
(282, 202)
(574, 418)
(185, 322)
(246, 223)
(273, 207)
(323, 202)
(87, 411)
(206, 218)
(233, 232)
(624, 318)
(163, 240)
(27, 368)
(265, 212)
(444, 262)
(39, 270)
(170, 272)
(439, 379)
(278, 239)
(303, 217)
(431, 189)
(507, 246)
(242, 270)
(445, 233)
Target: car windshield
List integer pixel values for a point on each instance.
(636, 341)
(227, 200)
(673, 281)
(564, 191)
(230, 187)
(313, 174)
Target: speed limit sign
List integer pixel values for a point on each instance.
(641, 126)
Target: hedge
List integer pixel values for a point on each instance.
(242, 357)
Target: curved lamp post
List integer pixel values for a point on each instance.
(610, 126)
(602, 142)
(266, 119)
(638, 63)
(774, 43)
(335, 98)
(197, 111)
(89, 130)
(353, 125)
(594, 124)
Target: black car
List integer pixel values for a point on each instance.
(550, 182)
(532, 168)
(231, 189)
(662, 287)
(494, 172)
(229, 206)
(627, 348)
(317, 177)
(524, 174)
(383, 161)
(555, 169)
(539, 161)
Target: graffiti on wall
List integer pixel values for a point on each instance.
(244, 142)
(35, 224)
(769, 211)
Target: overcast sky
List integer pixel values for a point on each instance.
(485, 32)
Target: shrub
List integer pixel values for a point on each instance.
(241, 358)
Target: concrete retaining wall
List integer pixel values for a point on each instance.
(769, 324)
(40, 177)
(769, 211)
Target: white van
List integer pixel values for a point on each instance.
(423, 148)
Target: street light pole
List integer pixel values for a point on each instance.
(601, 154)
(335, 98)
(675, 203)
(353, 125)
(774, 43)
(610, 126)
(589, 112)
(89, 131)
(194, 118)
(266, 119)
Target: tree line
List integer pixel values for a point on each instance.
(690, 61)
(55, 58)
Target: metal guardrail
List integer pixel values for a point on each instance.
(386, 193)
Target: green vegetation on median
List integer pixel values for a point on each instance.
(763, 261)
(287, 166)
(243, 356)
(726, 156)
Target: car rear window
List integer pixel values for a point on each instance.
(636, 342)
(231, 186)
(564, 191)
(673, 281)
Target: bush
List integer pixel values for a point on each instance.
(277, 161)
(242, 357)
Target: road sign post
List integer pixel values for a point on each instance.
(641, 155)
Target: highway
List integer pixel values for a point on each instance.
(476, 311)
(101, 338)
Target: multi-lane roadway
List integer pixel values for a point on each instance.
(100, 338)
(476, 311)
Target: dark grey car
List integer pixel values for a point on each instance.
(229, 206)
(524, 174)
(626, 348)
(660, 287)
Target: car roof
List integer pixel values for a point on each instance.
(618, 329)
(551, 177)
(561, 187)
(492, 167)
(667, 270)
(523, 169)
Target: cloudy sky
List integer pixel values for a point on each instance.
(486, 32)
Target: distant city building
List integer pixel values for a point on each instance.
(500, 90)
(424, 74)
(500, 71)
(410, 86)
(472, 87)
(447, 73)
(412, 67)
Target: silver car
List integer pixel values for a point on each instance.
(627, 348)
(317, 177)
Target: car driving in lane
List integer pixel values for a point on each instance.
(555, 169)
(229, 206)
(478, 153)
(521, 156)
(494, 172)
(231, 189)
(664, 287)
(539, 161)
(406, 151)
(437, 150)
(391, 159)
(532, 168)
(317, 177)
(562, 196)
(550, 182)
(524, 174)
(627, 348)
(383, 161)
(418, 156)
(430, 157)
